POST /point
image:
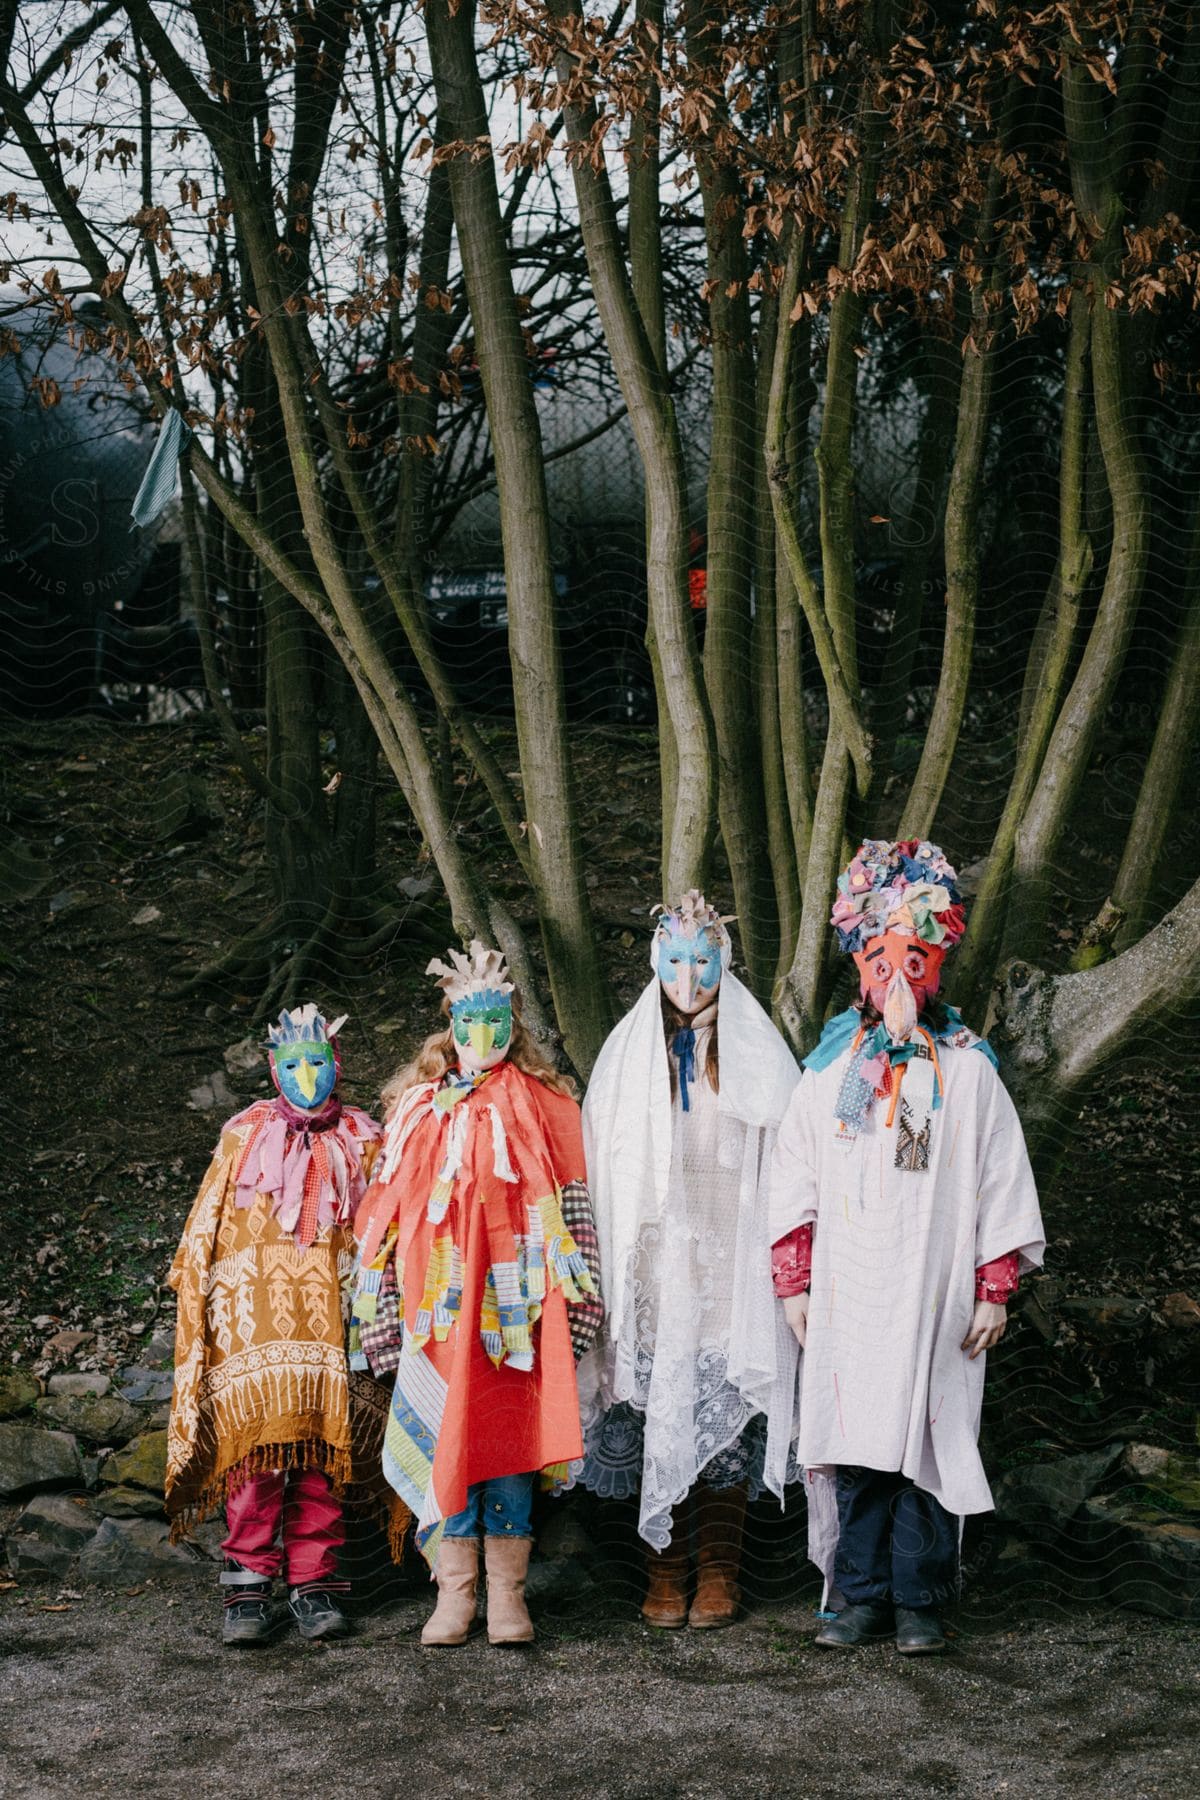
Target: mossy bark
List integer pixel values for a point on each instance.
(646, 391)
(582, 994)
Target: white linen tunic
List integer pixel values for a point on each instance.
(885, 1383)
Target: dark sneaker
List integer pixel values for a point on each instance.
(918, 1631)
(863, 1623)
(248, 1618)
(317, 1613)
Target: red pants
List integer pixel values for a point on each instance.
(306, 1517)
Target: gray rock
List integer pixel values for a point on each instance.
(130, 1549)
(207, 1538)
(32, 1461)
(245, 1055)
(1049, 1494)
(79, 1381)
(143, 1385)
(563, 1536)
(160, 1350)
(18, 1391)
(557, 1578)
(1106, 1319)
(1147, 1562)
(1039, 1305)
(32, 1559)
(128, 1503)
(97, 1418)
(68, 1519)
(49, 1535)
(23, 873)
(185, 807)
(211, 1093)
(1141, 1460)
(143, 1464)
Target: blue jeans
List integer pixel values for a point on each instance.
(895, 1541)
(504, 1504)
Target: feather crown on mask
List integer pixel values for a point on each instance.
(303, 1025)
(906, 886)
(480, 971)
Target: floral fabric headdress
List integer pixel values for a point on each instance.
(906, 886)
(688, 919)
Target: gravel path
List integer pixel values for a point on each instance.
(131, 1695)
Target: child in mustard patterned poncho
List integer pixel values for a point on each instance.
(266, 1416)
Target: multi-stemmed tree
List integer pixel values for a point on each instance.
(990, 206)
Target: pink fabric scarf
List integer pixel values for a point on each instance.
(293, 1156)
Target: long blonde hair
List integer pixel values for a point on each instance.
(439, 1052)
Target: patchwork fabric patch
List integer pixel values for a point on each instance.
(914, 1122)
(912, 1139)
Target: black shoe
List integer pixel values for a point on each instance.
(918, 1631)
(248, 1617)
(317, 1613)
(861, 1623)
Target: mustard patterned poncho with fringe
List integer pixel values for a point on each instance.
(261, 1375)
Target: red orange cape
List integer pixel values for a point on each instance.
(485, 1266)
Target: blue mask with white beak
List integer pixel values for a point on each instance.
(689, 969)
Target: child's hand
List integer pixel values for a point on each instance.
(795, 1311)
(987, 1327)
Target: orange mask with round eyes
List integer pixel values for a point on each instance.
(893, 952)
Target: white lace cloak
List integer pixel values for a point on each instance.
(885, 1383)
(693, 1337)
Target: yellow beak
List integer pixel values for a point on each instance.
(306, 1079)
(482, 1037)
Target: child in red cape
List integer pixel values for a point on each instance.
(480, 1178)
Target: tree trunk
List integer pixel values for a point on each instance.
(1178, 725)
(777, 670)
(647, 396)
(1074, 734)
(733, 466)
(337, 610)
(831, 615)
(917, 537)
(962, 528)
(1050, 657)
(782, 479)
(646, 276)
(1057, 1033)
(578, 981)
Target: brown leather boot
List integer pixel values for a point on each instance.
(720, 1518)
(507, 1563)
(453, 1618)
(665, 1604)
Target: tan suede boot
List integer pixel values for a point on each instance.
(453, 1618)
(665, 1604)
(507, 1562)
(720, 1519)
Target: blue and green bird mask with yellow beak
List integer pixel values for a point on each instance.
(306, 1074)
(303, 1059)
(482, 1023)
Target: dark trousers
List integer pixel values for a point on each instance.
(895, 1542)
